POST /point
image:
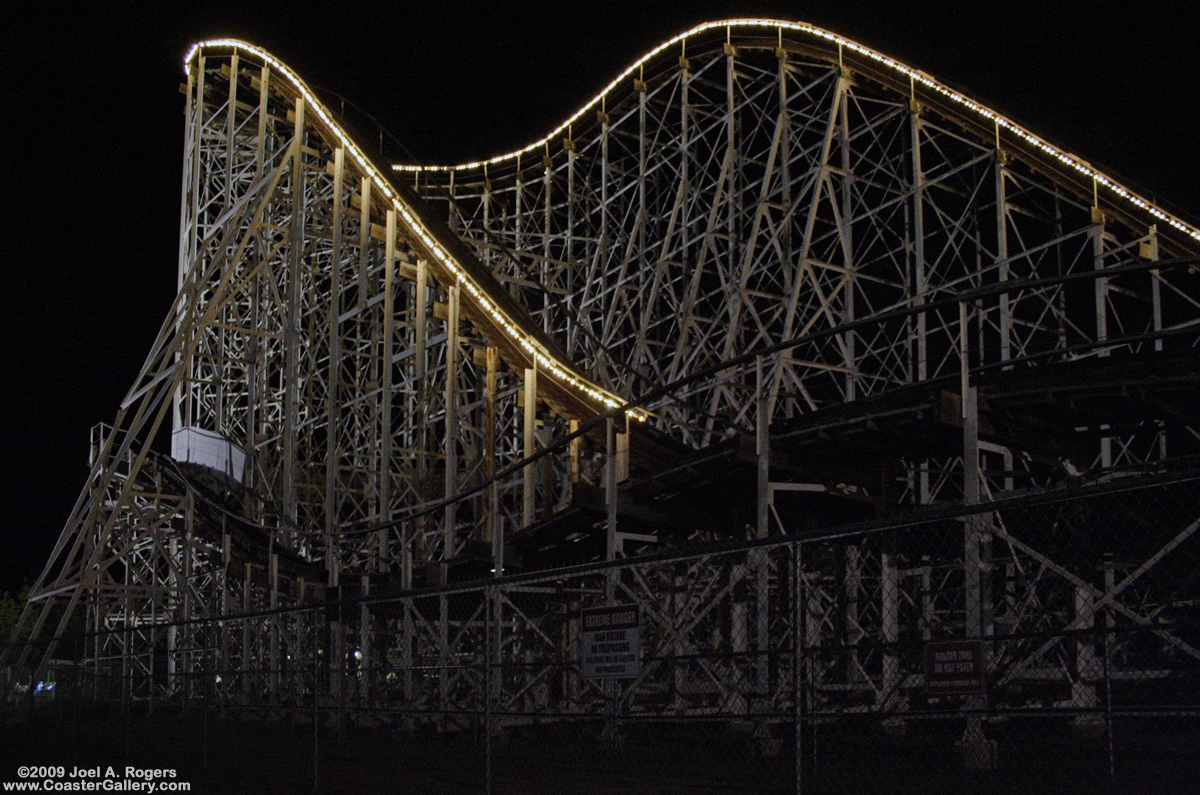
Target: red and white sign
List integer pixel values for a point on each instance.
(610, 643)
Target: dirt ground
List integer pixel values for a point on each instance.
(239, 757)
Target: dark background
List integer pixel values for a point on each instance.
(93, 147)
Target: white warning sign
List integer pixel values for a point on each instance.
(610, 646)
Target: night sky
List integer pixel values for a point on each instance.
(93, 150)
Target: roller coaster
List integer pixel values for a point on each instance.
(766, 283)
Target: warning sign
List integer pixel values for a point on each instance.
(610, 646)
(954, 666)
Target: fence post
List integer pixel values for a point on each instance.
(206, 676)
(797, 641)
(487, 687)
(316, 712)
(78, 689)
(1108, 622)
(976, 751)
(610, 494)
(758, 557)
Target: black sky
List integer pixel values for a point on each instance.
(93, 147)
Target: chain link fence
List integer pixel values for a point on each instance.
(1044, 642)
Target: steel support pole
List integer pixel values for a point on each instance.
(407, 639)
(1102, 290)
(291, 336)
(387, 366)
(918, 242)
(333, 377)
(1150, 252)
(575, 451)
(1087, 667)
(846, 237)
(1002, 256)
(610, 490)
(487, 689)
(973, 524)
(762, 442)
(273, 627)
(443, 649)
(224, 651)
(889, 584)
(976, 751)
(185, 599)
(759, 556)
(450, 528)
(248, 676)
(366, 648)
(421, 289)
(187, 250)
(493, 531)
(529, 429)
(191, 145)
(797, 659)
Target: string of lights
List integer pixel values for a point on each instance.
(914, 75)
(526, 341)
(560, 371)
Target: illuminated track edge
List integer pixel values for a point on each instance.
(527, 342)
(916, 76)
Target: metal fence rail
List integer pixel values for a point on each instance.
(1050, 638)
